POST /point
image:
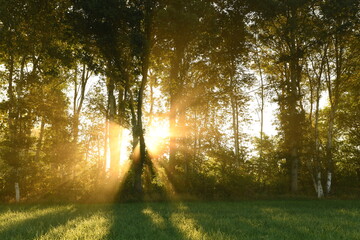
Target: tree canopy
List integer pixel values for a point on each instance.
(159, 99)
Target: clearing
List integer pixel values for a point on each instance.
(280, 219)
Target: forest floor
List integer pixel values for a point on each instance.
(290, 219)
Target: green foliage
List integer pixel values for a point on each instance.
(194, 63)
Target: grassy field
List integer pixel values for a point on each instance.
(329, 219)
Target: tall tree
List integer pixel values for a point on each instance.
(342, 17)
(283, 32)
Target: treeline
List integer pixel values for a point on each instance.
(76, 74)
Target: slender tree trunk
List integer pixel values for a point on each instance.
(106, 137)
(315, 85)
(145, 67)
(174, 102)
(172, 126)
(17, 192)
(79, 99)
(262, 98)
(235, 127)
(113, 132)
(319, 188)
(261, 113)
(152, 101)
(12, 117)
(12, 130)
(39, 143)
(11, 95)
(329, 154)
(334, 96)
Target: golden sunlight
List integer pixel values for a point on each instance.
(124, 147)
(157, 136)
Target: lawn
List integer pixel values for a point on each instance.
(294, 219)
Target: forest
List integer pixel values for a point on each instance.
(126, 100)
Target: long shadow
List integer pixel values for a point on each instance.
(229, 221)
(190, 220)
(171, 220)
(142, 221)
(167, 211)
(265, 220)
(196, 222)
(35, 226)
(325, 219)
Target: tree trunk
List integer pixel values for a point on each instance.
(17, 192)
(144, 71)
(12, 134)
(182, 140)
(39, 143)
(235, 122)
(294, 98)
(329, 150)
(334, 96)
(78, 100)
(319, 189)
(174, 102)
(113, 132)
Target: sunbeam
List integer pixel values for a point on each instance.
(157, 137)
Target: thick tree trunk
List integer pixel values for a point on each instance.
(294, 101)
(294, 170)
(294, 127)
(182, 140)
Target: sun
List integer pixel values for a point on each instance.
(156, 137)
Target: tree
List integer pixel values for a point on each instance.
(341, 15)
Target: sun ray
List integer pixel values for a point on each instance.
(157, 137)
(161, 173)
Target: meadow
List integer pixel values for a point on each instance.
(244, 220)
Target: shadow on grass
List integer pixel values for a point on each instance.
(267, 220)
(192, 221)
(33, 222)
(236, 220)
(141, 221)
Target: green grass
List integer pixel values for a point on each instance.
(329, 219)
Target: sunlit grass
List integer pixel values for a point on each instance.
(155, 217)
(93, 227)
(10, 217)
(273, 220)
